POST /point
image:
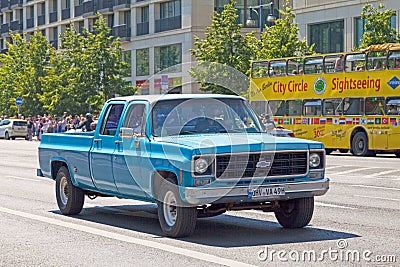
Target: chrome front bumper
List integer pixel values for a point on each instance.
(208, 195)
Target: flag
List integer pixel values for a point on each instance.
(316, 121)
(378, 120)
(363, 121)
(310, 121)
(297, 120)
(286, 121)
(329, 120)
(322, 121)
(342, 121)
(393, 121)
(370, 121)
(349, 120)
(385, 120)
(275, 120)
(304, 121)
(280, 121)
(356, 120)
(336, 121)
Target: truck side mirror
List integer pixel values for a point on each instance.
(126, 132)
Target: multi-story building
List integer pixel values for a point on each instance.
(157, 35)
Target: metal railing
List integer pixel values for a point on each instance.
(168, 24)
(142, 28)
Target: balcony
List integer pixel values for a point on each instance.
(78, 10)
(16, 4)
(142, 28)
(122, 31)
(16, 26)
(105, 7)
(122, 4)
(5, 28)
(54, 43)
(5, 5)
(53, 16)
(88, 8)
(168, 24)
(30, 23)
(65, 13)
(41, 19)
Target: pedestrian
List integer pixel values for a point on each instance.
(30, 126)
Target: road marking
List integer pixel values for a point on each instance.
(383, 198)
(376, 187)
(22, 178)
(380, 173)
(151, 244)
(354, 170)
(389, 179)
(333, 167)
(333, 206)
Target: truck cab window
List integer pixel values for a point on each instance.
(134, 118)
(110, 123)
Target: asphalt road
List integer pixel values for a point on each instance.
(359, 217)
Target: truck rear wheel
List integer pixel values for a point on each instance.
(70, 198)
(175, 219)
(295, 213)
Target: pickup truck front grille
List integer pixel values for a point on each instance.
(258, 165)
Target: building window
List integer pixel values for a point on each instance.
(359, 29)
(142, 62)
(127, 57)
(327, 37)
(170, 9)
(144, 14)
(245, 13)
(167, 57)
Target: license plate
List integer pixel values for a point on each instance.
(266, 191)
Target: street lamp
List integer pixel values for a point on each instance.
(271, 18)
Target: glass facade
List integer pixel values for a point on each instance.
(167, 57)
(170, 9)
(359, 29)
(328, 37)
(142, 62)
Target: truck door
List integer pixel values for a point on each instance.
(104, 146)
(131, 148)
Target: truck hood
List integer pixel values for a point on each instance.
(238, 142)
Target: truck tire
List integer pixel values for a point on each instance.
(359, 145)
(295, 213)
(69, 197)
(7, 136)
(175, 219)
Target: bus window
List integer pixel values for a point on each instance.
(277, 107)
(353, 106)
(376, 60)
(393, 105)
(277, 67)
(293, 107)
(394, 60)
(259, 69)
(329, 63)
(313, 65)
(374, 106)
(295, 66)
(312, 107)
(355, 62)
(332, 107)
(260, 106)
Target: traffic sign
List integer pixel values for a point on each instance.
(18, 101)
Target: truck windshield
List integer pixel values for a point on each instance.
(203, 115)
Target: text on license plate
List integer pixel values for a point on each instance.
(266, 191)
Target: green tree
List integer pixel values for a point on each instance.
(282, 39)
(377, 27)
(23, 68)
(223, 50)
(91, 68)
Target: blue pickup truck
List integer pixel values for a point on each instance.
(195, 156)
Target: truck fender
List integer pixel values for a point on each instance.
(56, 163)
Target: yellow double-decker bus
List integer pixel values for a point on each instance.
(348, 101)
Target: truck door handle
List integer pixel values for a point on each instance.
(117, 142)
(97, 140)
(98, 143)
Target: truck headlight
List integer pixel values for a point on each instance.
(315, 160)
(200, 165)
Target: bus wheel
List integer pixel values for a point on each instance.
(359, 145)
(328, 151)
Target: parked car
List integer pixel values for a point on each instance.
(13, 128)
(277, 130)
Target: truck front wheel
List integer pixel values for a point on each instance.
(69, 197)
(176, 220)
(295, 213)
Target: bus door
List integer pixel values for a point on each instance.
(332, 109)
(377, 123)
(393, 112)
